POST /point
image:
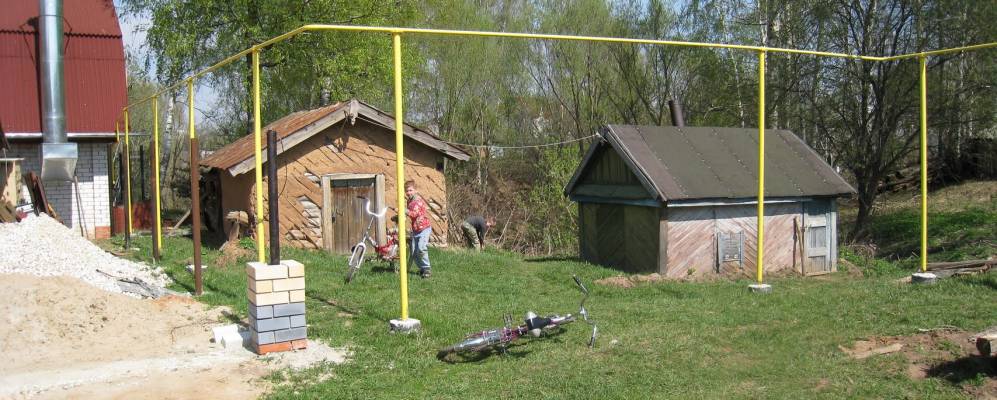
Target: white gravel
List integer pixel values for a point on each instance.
(40, 245)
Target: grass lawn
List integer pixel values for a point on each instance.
(660, 340)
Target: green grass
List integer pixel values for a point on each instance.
(962, 225)
(664, 340)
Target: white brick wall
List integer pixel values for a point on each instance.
(92, 172)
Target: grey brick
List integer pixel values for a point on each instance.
(269, 324)
(283, 310)
(260, 312)
(263, 338)
(291, 334)
(297, 320)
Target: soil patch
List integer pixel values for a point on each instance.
(946, 353)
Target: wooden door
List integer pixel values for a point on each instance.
(817, 238)
(343, 216)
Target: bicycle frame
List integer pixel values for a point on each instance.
(386, 251)
(533, 325)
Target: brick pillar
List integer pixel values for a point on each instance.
(277, 306)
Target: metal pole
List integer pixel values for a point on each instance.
(761, 166)
(924, 162)
(195, 189)
(128, 189)
(157, 237)
(396, 40)
(258, 153)
(274, 218)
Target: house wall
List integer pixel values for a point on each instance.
(93, 208)
(692, 238)
(362, 148)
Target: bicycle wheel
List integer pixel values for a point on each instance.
(356, 258)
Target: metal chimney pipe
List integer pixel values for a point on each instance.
(54, 116)
(676, 109)
(58, 155)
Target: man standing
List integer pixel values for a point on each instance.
(422, 229)
(474, 228)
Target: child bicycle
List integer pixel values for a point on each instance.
(500, 338)
(387, 251)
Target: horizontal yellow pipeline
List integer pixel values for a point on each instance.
(603, 39)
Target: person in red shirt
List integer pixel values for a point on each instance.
(422, 229)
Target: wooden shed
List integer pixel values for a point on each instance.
(327, 157)
(683, 202)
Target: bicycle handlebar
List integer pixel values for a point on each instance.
(367, 203)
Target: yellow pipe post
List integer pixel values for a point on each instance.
(922, 60)
(128, 180)
(155, 176)
(258, 153)
(396, 41)
(761, 166)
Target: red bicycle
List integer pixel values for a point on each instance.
(387, 251)
(500, 338)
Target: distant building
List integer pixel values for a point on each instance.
(350, 148)
(95, 93)
(682, 202)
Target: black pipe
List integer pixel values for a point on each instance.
(272, 200)
(676, 109)
(141, 170)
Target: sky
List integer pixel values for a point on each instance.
(133, 32)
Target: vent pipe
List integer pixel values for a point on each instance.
(58, 155)
(676, 109)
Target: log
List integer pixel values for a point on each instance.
(947, 269)
(960, 264)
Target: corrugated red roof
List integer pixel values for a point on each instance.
(83, 17)
(94, 67)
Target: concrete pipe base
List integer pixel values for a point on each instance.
(924, 278)
(405, 325)
(760, 288)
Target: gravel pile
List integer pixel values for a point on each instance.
(41, 246)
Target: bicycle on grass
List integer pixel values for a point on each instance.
(387, 252)
(500, 338)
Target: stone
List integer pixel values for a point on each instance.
(220, 331)
(294, 268)
(270, 324)
(266, 299)
(261, 311)
(281, 285)
(283, 310)
(260, 271)
(287, 335)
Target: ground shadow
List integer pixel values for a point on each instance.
(963, 369)
(340, 307)
(514, 350)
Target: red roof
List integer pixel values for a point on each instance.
(94, 67)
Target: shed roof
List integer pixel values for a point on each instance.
(689, 163)
(94, 68)
(237, 157)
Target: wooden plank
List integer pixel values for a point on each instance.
(641, 230)
(690, 241)
(610, 235)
